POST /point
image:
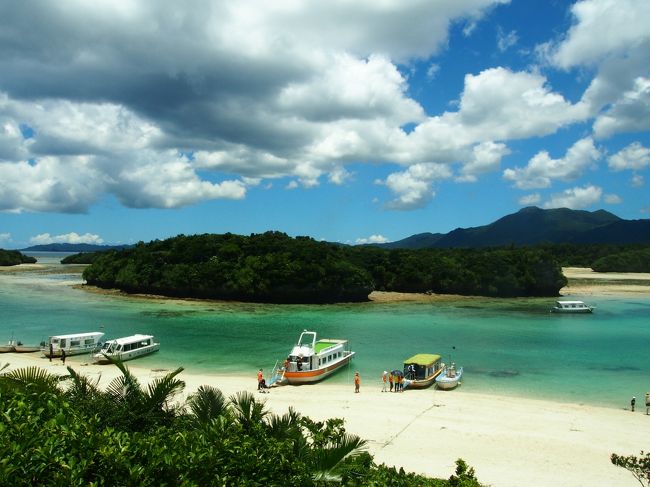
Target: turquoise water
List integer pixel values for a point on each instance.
(510, 347)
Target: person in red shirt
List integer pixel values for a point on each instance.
(357, 382)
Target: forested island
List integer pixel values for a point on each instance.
(273, 267)
(14, 257)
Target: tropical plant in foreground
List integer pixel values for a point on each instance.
(637, 466)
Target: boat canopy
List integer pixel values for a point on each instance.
(423, 359)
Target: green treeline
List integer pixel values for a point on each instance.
(14, 257)
(81, 258)
(273, 267)
(269, 267)
(74, 433)
(588, 255)
(481, 272)
(630, 261)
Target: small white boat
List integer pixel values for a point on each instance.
(9, 347)
(312, 360)
(571, 307)
(74, 344)
(126, 348)
(449, 377)
(19, 347)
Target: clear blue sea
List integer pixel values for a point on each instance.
(508, 347)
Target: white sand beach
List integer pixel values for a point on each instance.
(511, 442)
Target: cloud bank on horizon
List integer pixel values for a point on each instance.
(161, 104)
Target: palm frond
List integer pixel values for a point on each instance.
(206, 404)
(82, 386)
(161, 390)
(246, 409)
(327, 460)
(35, 378)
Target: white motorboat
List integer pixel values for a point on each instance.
(73, 344)
(126, 348)
(312, 360)
(571, 307)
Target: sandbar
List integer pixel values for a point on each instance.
(510, 441)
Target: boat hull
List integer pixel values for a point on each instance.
(422, 383)
(446, 383)
(69, 352)
(316, 375)
(100, 358)
(572, 311)
(26, 349)
(6, 348)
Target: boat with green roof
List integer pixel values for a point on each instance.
(421, 370)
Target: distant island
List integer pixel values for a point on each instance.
(14, 257)
(273, 267)
(70, 247)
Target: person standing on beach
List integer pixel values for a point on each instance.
(63, 355)
(51, 351)
(390, 380)
(633, 403)
(357, 382)
(384, 379)
(260, 378)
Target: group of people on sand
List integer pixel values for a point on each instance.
(394, 381)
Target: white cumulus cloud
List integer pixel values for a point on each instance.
(634, 156)
(72, 237)
(371, 239)
(542, 169)
(575, 198)
(414, 187)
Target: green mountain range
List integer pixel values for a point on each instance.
(532, 225)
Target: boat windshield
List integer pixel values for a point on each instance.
(307, 339)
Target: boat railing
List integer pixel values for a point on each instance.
(277, 374)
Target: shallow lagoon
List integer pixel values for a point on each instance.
(509, 347)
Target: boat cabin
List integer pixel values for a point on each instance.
(127, 348)
(312, 354)
(571, 307)
(127, 344)
(73, 344)
(422, 366)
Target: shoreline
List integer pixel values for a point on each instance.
(510, 441)
(582, 281)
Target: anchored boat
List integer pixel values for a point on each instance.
(449, 377)
(9, 347)
(127, 348)
(421, 370)
(74, 344)
(571, 307)
(312, 360)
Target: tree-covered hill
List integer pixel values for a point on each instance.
(269, 267)
(535, 226)
(14, 257)
(273, 267)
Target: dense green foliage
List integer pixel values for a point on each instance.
(14, 257)
(637, 466)
(81, 258)
(575, 255)
(273, 267)
(270, 267)
(485, 272)
(630, 261)
(130, 435)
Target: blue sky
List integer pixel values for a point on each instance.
(349, 121)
